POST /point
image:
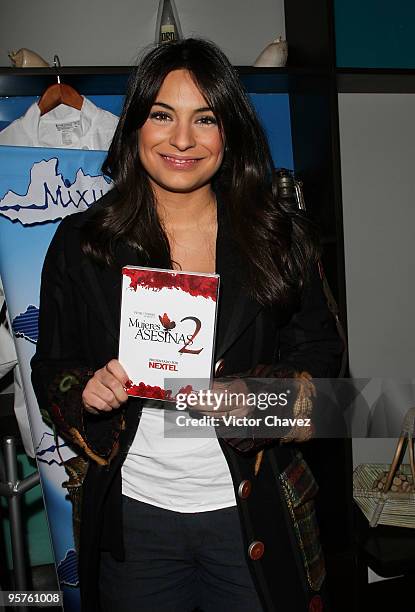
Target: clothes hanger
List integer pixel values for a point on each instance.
(59, 93)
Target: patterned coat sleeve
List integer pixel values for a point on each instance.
(59, 368)
(309, 347)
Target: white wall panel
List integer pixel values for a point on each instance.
(104, 32)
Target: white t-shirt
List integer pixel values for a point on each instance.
(180, 474)
(63, 127)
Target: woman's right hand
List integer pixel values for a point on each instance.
(105, 391)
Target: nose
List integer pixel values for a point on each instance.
(182, 136)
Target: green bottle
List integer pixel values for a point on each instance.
(168, 24)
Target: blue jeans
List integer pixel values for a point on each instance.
(178, 562)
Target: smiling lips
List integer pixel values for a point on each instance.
(180, 163)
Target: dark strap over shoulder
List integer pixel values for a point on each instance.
(290, 189)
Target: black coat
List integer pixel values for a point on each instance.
(78, 333)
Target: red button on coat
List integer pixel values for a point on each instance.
(316, 604)
(256, 550)
(244, 489)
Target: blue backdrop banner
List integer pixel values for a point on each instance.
(38, 187)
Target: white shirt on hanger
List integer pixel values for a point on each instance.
(63, 127)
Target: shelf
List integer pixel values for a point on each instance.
(92, 80)
(87, 70)
(290, 79)
(89, 80)
(371, 80)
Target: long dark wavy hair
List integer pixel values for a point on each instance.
(277, 243)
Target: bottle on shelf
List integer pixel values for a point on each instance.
(168, 24)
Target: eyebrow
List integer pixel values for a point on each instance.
(203, 109)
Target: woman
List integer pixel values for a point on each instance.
(176, 525)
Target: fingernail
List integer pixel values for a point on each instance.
(128, 384)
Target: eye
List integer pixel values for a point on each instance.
(160, 116)
(207, 120)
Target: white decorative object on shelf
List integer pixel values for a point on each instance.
(26, 58)
(275, 54)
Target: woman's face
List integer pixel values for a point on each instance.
(180, 144)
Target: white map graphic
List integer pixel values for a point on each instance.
(50, 196)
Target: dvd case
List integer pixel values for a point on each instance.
(167, 330)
